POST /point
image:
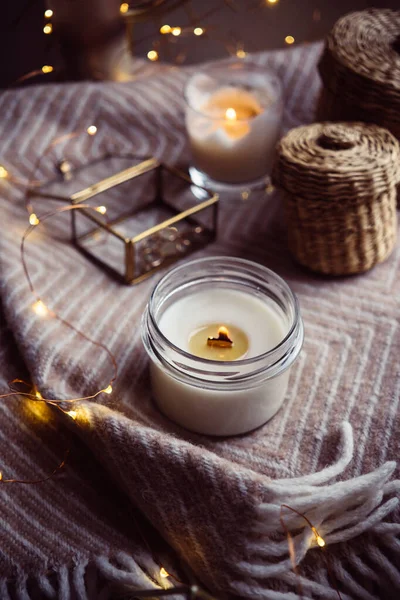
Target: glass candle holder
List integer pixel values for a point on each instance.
(233, 122)
(222, 334)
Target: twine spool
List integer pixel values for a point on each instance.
(360, 70)
(340, 182)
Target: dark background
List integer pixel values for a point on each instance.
(254, 24)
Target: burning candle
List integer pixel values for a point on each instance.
(233, 120)
(222, 334)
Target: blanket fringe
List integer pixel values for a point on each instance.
(102, 578)
(340, 511)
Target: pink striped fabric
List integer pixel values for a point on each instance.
(138, 490)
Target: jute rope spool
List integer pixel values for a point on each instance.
(360, 70)
(340, 182)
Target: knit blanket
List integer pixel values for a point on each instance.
(138, 492)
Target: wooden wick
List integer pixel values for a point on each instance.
(222, 341)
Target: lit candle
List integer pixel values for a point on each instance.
(232, 129)
(221, 347)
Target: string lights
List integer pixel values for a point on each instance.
(165, 29)
(92, 130)
(40, 309)
(152, 55)
(196, 28)
(319, 540)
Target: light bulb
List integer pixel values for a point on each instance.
(92, 130)
(198, 31)
(72, 413)
(47, 68)
(152, 55)
(108, 390)
(241, 53)
(33, 220)
(47, 29)
(230, 114)
(165, 29)
(48, 13)
(101, 209)
(289, 39)
(176, 31)
(124, 8)
(163, 573)
(38, 395)
(40, 308)
(3, 172)
(320, 541)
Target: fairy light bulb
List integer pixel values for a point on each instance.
(124, 7)
(165, 29)
(230, 114)
(1, 476)
(47, 68)
(47, 29)
(3, 172)
(198, 31)
(38, 395)
(92, 130)
(152, 55)
(176, 31)
(241, 53)
(163, 573)
(48, 13)
(289, 39)
(40, 308)
(33, 219)
(101, 209)
(319, 539)
(108, 390)
(272, 1)
(72, 413)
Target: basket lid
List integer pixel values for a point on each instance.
(337, 160)
(364, 48)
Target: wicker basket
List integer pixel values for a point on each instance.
(340, 182)
(360, 70)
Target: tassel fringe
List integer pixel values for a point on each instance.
(340, 512)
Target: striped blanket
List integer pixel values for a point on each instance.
(137, 491)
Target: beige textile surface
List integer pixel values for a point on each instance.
(215, 501)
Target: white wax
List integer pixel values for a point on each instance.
(219, 411)
(234, 154)
(262, 325)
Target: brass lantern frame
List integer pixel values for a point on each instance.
(133, 270)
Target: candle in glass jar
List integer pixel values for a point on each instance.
(232, 130)
(220, 355)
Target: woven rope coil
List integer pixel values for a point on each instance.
(360, 70)
(340, 182)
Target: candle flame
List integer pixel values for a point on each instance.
(222, 341)
(223, 331)
(231, 114)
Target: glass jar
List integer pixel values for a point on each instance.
(212, 396)
(233, 122)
